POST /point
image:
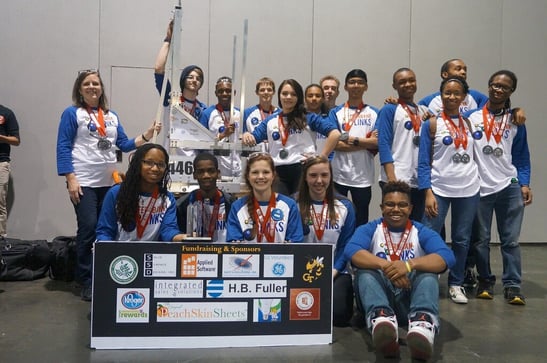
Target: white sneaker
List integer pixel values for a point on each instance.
(385, 335)
(457, 294)
(420, 337)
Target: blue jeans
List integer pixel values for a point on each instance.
(463, 212)
(509, 207)
(375, 290)
(87, 215)
(360, 198)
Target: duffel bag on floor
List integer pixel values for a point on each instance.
(24, 260)
(63, 258)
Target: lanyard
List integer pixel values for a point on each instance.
(349, 125)
(144, 218)
(225, 119)
(262, 115)
(264, 224)
(395, 254)
(213, 217)
(282, 130)
(100, 120)
(413, 116)
(319, 220)
(191, 110)
(458, 133)
(489, 121)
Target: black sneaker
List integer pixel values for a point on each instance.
(513, 296)
(470, 280)
(86, 293)
(485, 289)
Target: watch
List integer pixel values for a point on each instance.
(356, 141)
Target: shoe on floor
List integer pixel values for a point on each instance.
(470, 280)
(513, 296)
(485, 289)
(457, 294)
(420, 337)
(86, 293)
(385, 335)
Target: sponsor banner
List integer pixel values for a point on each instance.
(267, 310)
(178, 288)
(246, 288)
(240, 265)
(132, 305)
(278, 266)
(305, 304)
(201, 311)
(160, 265)
(314, 269)
(199, 265)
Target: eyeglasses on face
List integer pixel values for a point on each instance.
(151, 163)
(392, 205)
(500, 87)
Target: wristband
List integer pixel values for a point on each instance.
(408, 268)
(144, 138)
(167, 39)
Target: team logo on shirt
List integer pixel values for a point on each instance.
(254, 121)
(277, 214)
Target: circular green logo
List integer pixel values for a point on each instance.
(124, 270)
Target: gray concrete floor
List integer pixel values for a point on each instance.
(45, 321)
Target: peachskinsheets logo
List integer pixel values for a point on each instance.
(201, 311)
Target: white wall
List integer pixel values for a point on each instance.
(45, 42)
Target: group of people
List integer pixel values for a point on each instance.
(455, 148)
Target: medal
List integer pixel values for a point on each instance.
(104, 144)
(487, 150)
(498, 152)
(283, 153)
(416, 140)
(456, 158)
(465, 158)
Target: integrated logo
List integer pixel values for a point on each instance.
(201, 311)
(240, 265)
(160, 265)
(305, 304)
(178, 288)
(314, 269)
(278, 266)
(124, 270)
(246, 288)
(199, 265)
(132, 305)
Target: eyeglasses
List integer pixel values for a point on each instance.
(151, 163)
(500, 87)
(392, 205)
(88, 71)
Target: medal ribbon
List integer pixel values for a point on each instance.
(349, 125)
(263, 220)
(414, 118)
(395, 254)
(282, 130)
(319, 221)
(489, 121)
(212, 217)
(144, 218)
(458, 133)
(262, 115)
(101, 128)
(225, 119)
(194, 104)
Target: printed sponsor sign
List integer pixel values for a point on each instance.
(160, 265)
(246, 288)
(240, 265)
(199, 265)
(278, 266)
(132, 305)
(267, 310)
(201, 311)
(305, 304)
(178, 288)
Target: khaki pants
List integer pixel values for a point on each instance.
(4, 181)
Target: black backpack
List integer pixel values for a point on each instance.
(63, 261)
(23, 260)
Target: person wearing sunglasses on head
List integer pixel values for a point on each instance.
(88, 136)
(141, 208)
